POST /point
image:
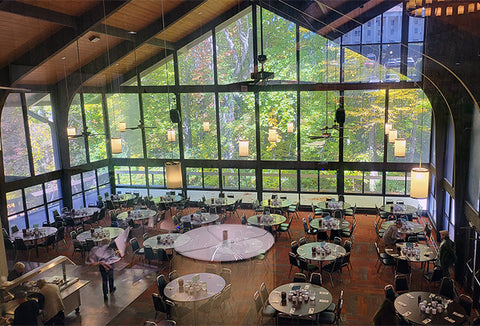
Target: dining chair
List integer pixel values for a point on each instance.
(161, 284)
(226, 296)
(308, 230)
(447, 288)
(401, 284)
(149, 254)
(160, 306)
(433, 277)
(302, 241)
(293, 258)
(467, 303)
(261, 312)
(211, 268)
(299, 277)
(333, 267)
(390, 292)
(316, 211)
(306, 267)
(20, 245)
(337, 240)
(226, 274)
(327, 317)
(285, 227)
(294, 246)
(316, 278)
(14, 228)
(384, 259)
(172, 275)
(322, 235)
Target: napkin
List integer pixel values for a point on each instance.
(407, 313)
(409, 295)
(292, 311)
(450, 320)
(323, 300)
(403, 304)
(311, 310)
(458, 314)
(322, 292)
(307, 286)
(426, 321)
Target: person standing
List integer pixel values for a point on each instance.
(27, 310)
(53, 310)
(17, 271)
(446, 253)
(104, 257)
(391, 235)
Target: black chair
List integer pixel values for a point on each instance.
(328, 317)
(293, 261)
(347, 245)
(49, 242)
(149, 254)
(401, 284)
(294, 246)
(136, 250)
(384, 259)
(285, 227)
(14, 228)
(60, 236)
(316, 278)
(403, 268)
(302, 241)
(316, 211)
(337, 240)
(433, 277)
(20, 245)
(78, 247)
(390, 292)
(447, 288)
(322, 235)
(8, 244)
(299, 278)
(161, 284)
(306, 267)
(333, 267)
(467, 303)
(162, 256)
(308, 231)
(161, 306)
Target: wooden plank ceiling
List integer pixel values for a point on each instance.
(43, 41)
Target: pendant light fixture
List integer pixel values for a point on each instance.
(290, 127)
(399, 147)
(392, 135)
(171, 135)
(243, 145)
(116, 145)
(419, 177)
(272, 135)
(206, 126)
(388, 127)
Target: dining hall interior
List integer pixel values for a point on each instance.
(277, 162)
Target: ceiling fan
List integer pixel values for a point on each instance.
(338, 122)
(141, 125)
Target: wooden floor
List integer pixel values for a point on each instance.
(132, 303)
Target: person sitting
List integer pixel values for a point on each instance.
(53, 308)
(100, 203)
(17, 271)
(27, 311)
(386, 314)
(446, 253)
(391, 235)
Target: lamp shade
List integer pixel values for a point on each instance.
(400, 145)
(122, 126)
(206, 126)
(173, 172)
(243, 147)
(290, 127)
(388, 127)
(392, 135)
(71, 131)
(272, 135)
(171, 135)
(419, 183)
(116, 145)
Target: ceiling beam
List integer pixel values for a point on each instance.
(128, 36)
(124, 48)
(362, 19)
(26, 10)
(62, 39)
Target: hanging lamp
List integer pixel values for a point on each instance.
(243, 145)
(399, 147)
(419, 177)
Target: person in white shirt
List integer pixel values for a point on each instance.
(53, 310)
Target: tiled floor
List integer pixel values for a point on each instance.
(132, 303)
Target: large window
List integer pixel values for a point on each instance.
(195, 62)
(41, 127)
(94, 121)
(76, 144)
(14, 145)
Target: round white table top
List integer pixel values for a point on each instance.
(407, 228)
(219, 202)
(204, 218)
(121, 197)
(139, 214)
(333, 205)
(166, 199)
(167, 241)
(329, 224)
(425, 252)
(103, 233)
(323, 299)
(82, 213)
(43, 232)
(277, 203)
(258, 220)
(398, 209)
(305, 251)
(215, 284)
(208, 244)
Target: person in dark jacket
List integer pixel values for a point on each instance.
(27, 310)
(17, 271)
(446, 253)
(386, 314)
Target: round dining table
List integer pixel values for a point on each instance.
(333, 205)
(324, 224)
(277, 203)
(407, 228)
(162, 241)
(166, 199)
(306, 252)
(84, 213)
(187, 294)
(100, 234)
(399, 209)
(407, 305)
(122, 198)
(323, 299)
(200, 219)
(266, 220)
(216, 203)
(224, 242)
(34, 234)
(397, 250)
(139, 214)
